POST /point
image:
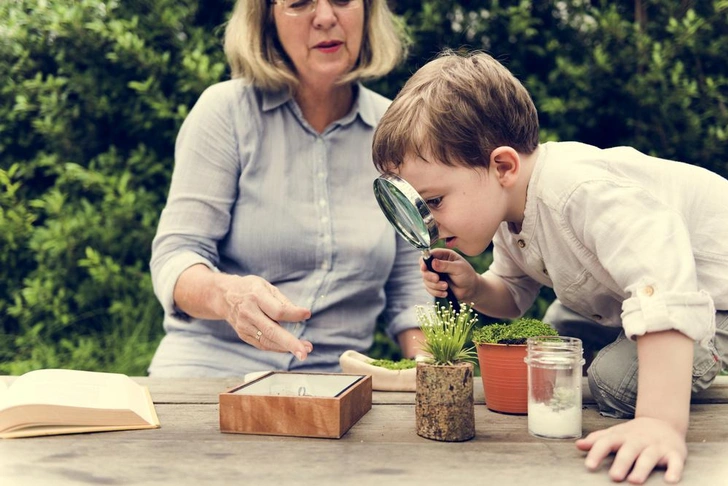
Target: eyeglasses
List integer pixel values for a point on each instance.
(295, 8)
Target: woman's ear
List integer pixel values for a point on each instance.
(505, 165)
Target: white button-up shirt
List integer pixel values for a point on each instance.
(623, 238)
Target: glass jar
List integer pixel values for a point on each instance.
(555, 366)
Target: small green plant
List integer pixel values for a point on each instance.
(403, 364)
(514, 333)
(446, 332)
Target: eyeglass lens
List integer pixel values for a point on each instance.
(302, 7)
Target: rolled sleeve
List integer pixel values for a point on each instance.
(166, 279)
(651, 259)
(649, 309)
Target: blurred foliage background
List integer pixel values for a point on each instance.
(94, 91)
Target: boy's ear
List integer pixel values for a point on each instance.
(505, 164)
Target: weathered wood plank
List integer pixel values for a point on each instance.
(393, 424)
(381, 449)
(320, 463)
(207, 390)
(383, 424)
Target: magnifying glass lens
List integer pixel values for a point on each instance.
(411, 218)
(402, 213)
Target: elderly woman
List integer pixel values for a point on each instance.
(271, 252)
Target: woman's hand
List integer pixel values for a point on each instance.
(462, 276)
(641, 445)
(254, 308)
(251, 305)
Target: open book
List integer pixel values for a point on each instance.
(51, 402)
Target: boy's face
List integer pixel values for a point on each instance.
(468, 204)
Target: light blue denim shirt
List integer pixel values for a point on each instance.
(257, 191)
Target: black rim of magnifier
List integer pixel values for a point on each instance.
(403, 187)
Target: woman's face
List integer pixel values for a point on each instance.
(324, 44)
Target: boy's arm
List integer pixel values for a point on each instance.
(665, 378)
(491, 297)
(656, 436)
(488, 293)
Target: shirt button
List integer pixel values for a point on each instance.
(521, 244)
(322, 202)
(545, 272)
(649, 290)
(596, 317)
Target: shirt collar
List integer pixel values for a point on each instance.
(530, 212)
(274, 99)
(363, 104)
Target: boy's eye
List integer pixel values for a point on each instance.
(434, 203)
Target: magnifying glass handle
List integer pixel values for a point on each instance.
(443, 276)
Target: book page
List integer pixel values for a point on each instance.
(75, 388)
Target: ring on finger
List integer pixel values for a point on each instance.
(258, 333)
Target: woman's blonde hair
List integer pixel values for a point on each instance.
(254, 52)
(455, 110)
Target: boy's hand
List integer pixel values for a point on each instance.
(462, 275)
(641, 445)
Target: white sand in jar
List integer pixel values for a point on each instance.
(544, 421)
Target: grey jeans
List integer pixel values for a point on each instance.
(612, 374)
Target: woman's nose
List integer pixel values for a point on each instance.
(324, 15)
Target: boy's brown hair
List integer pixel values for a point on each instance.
(457, 109)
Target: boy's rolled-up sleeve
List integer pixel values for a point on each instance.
(649, 309)
(645, 246)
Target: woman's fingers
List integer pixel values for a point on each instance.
(256, 313)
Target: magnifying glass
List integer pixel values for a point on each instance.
(408, 213)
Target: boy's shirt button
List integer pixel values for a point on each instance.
(521, 244)
(596, 317)
(649, 290)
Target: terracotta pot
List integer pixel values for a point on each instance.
(444, 402)
(505, 377)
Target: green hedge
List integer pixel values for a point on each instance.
(93, 93)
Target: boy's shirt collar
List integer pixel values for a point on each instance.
(526, 229)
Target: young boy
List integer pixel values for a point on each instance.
(625, 240)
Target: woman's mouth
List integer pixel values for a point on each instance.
(328, 46)
(450, 242)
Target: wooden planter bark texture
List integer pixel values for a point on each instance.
(444, 402)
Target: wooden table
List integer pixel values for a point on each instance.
(381, 449)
